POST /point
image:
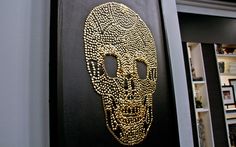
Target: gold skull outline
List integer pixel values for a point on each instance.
(113, 29)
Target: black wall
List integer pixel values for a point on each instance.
(214, 91)
(207, 29)
(80, 119)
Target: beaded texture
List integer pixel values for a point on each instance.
(113, 29)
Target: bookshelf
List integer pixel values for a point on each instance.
(226, 58)
(200, 95)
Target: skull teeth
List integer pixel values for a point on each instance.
(131, 111)
(131, 120)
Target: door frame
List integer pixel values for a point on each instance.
(170, 11)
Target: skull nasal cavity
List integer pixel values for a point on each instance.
(111, 65)
(142, 69)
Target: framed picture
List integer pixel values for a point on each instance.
(221, 67)
(233, 83)
(228, 94)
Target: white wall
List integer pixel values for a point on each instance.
(24, 51)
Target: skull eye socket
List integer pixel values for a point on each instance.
(142, 69)
(111, 65)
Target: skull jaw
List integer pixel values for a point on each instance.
(128, 129)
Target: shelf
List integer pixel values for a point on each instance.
(228, 64)
(231, 113)
(199, 82)
(229, 110)
(231, 121)
(227, 74)
(226, 55)
(200, 94)
(200, 110)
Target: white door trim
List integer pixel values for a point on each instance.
(207, 7)
(175, 53)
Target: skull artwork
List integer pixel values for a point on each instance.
(113, 29)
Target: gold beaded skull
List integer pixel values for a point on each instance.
(113, 29)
